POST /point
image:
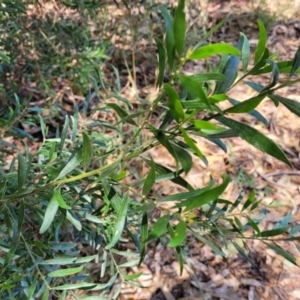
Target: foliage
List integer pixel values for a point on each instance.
(72, 191)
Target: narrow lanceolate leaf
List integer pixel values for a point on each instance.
(159, 228)
(184, 158)
(179, 235)
(194, 87)
(64, 133)
(296, 63)
(244, 47)
(261, 42)
(292, 105)
(60, 260)
(169, 41)
(288, 256)
(121, 112)
(255, 138)
(74, 221)
(65, 272)
(71, 165)
(144, 236)
(60, 200)
(120, 220)
(179, 27)
(161, 61)
(274, 78)
(191, 143)
(87, 151)
(209, 76)
(207, 196)
(245, 106)
(150, 179)
(253, 113)
(174, 103)
(21, 171)
(21, 215)
(229, 71)
(214, 49)
(49, 215)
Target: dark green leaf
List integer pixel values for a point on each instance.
(273, 232)
(21, 171)
(169, 41)
(87, 151)
(159, 228)
(21, 215)
(179, 27)
(245, 106)
(288, 256)
(253, 113)
(161, 61)
(296, 62)
(292, 105)
(229, 71)
(262, 42)
(194, 87)
(184, 158)
(274, 78)
(255, 138)
(249, 201)
(150, 179)
(244, 47)
(174, 103)
(179, 235)
(121, 113)
(213, 49)
(253, 225)
(207, 196)
(242, 252)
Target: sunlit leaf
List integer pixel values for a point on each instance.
(179, 235)
(65, 272)
(71, 165)
(179, 27)
(159, 228)
(49, 214)
(261, 42)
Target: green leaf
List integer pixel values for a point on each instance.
(159, 228)
(292, 105)
(194, 87)
(87, 151)
(21, 215)
(176, 179)
(229, 71)
(174, 103)
(161, 61)
(144, 236)
(49, 214)
(255, 138)
(65, 272)
(243, 253)
(64, 133)
(150, 179)
(21, 171)
(284, 222)
(179, 235)
(74, 221)
(207, 196)
(60, 260)
(71, 165)
(288, 256)
(253, 113)
(274, 78)
(184, 158)
(244, 47)
(245, 106)
(254, 226)
(208, 77)
(82, 285)
(120, 220)
(121, 112)
(273, 232)
(262, 42)
(4, 57)
(61, 202)
(169, 41)
(213, 49)
(296, 63)
(162, 138)
(207, 127)
(191, 143)
(179, 27)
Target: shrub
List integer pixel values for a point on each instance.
(72, 192)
